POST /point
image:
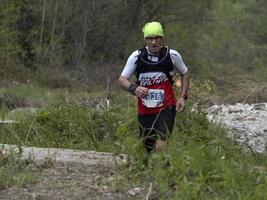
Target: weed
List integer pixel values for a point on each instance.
(15, 171)
(201, 162)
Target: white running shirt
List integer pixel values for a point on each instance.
(130, 66)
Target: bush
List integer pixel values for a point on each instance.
(15, 171)
(200, 163)
(70, 124)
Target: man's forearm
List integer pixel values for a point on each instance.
(124, 83)
(184, 83)
(135, 89)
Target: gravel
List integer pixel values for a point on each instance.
(247, 123)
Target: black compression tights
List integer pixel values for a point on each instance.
(156, 126)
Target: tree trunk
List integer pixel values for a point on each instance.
(52, 44)
(43, 20)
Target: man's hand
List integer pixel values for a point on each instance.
(141, 91)
(180, 104)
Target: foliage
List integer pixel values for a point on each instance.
(90, 39)
(81, 43)
(28, 95)
(200, 163)
(18, 32)
(15, 171)
(69, 124)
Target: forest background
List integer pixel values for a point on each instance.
(59, 64)
(85, 44)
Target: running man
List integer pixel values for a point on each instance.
(154, 67)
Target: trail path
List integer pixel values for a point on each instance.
(71, 174)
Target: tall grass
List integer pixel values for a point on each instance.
(25, 95)
(15, 171)
(83, 124)
(200, 162)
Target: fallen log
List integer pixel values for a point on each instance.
(67, 156)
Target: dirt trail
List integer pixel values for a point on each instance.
(82, 175)
(69, 182)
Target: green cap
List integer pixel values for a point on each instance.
(153, 28)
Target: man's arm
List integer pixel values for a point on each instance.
(184, 84)
(180, 105)
(126, 85)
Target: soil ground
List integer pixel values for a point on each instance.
(67, 174)
(71, 182)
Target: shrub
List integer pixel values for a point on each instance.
(70, 124)
(200, 163)
(15, 171)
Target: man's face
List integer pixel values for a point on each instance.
(154, 43)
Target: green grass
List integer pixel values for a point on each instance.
(28, 95)
(199, 163)
(24, 95)
(83, 125)
(14, 171)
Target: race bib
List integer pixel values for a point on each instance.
(154, 98)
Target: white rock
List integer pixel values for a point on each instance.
(247, 123)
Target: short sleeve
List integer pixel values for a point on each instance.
(130, 66)
(178, 62)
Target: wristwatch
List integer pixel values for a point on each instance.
(132, 88)
(184, 95)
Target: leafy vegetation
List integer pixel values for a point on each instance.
(15, 171)
(199, 163)
(60, 61)
(68, 124)
(85, 44)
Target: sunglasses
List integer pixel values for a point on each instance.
(153, 38)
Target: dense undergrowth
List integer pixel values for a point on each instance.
(51, 51)
(15, 171)
(199, 163)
